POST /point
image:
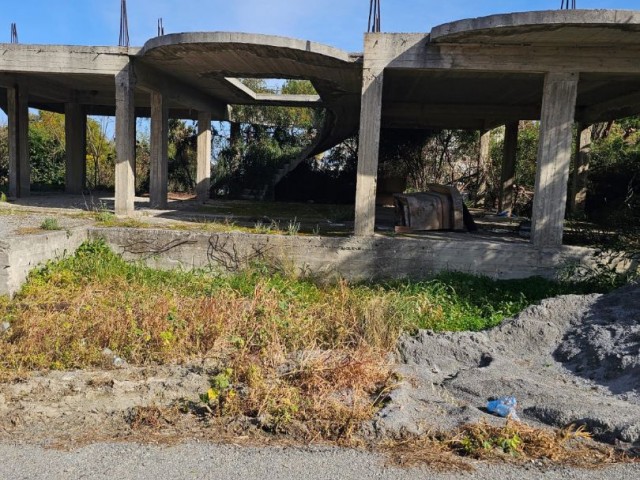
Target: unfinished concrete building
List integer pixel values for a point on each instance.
(558, 67)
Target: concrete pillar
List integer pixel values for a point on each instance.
(18, 131)
(483, 163)
(203, 177)
(554, 158)
(125, 142)
(578, 196)
(368, 152)
(508, 177)
(159, 151)
(75, 127)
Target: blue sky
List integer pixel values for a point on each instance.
(339, 23)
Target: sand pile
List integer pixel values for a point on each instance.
(572, 359)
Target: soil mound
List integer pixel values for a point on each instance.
(571, 359)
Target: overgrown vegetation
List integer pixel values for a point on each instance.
(261, 140)
(50, 224)
(285, 351)
(512, 442)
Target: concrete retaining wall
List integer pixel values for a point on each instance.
(19, 255)
(325, 258)
(351, 258)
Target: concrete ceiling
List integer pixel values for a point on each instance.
(206, 61)
(197, 71)
(458, 97)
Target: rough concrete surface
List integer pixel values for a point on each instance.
(572, 359)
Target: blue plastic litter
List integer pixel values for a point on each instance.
(504, 407)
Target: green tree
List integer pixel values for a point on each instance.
(263, 138)
(47, 150)
(101, 154)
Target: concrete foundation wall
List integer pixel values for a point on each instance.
(20, 255)
(350, 258)
(353, 258)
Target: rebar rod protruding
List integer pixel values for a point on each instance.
(124, 25)
(14, 33)
(374, 16)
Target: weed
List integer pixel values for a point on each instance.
(514, 442)
(261, 227)
(106, 217)
(50, 224)
(288, 350)
(3, 197)
(294, 227)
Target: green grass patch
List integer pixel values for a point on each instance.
(286, 349)
(134, 307)
(50, 224)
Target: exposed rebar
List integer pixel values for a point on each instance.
(160, 27)
(568, 5)
(124, 25)
(374, 16)
(14, 33)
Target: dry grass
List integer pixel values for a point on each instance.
(290, 354)
(514, 442)
(286, 355)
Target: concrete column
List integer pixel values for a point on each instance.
(578, 195)
(203, 177)
(125, 142)
(19, 162)
(508, 177)
(483, 162)
(159, 151)
(554, 158)
(75, 127)
(368, 152)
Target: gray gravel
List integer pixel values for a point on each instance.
(572, 359)
(12, 221)
(189, 461)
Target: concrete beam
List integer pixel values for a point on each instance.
(18, 131)
(273, 99)
(619, 107)
(426, 111)
(508, 177)
(368, 152)
(20, 58)
(409, 50)
(125, 142)
(554, 158)
(203, 179)
(159, 151)
(75, 127)
(578, 196)
(53, 91)
(177, 91)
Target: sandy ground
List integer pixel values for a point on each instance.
(570, 360)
